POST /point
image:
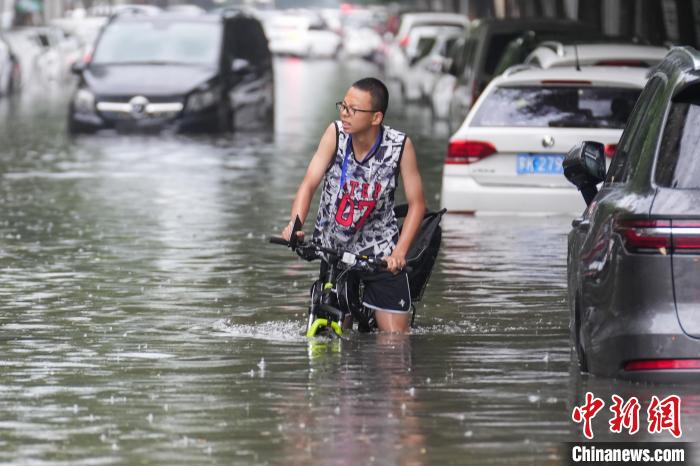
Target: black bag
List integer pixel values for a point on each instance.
(424, 250)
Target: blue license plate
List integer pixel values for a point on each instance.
(539, 164)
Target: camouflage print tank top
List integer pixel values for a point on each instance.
(359, 215)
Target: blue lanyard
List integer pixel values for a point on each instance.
(348, 148)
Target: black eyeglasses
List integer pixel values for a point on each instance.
(342, 107)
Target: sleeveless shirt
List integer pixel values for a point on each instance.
(359, 216)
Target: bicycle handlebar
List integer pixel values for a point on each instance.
(372, 261)
(279, 240)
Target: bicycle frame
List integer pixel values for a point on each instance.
(325, 310)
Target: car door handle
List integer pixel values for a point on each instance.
(581, 224)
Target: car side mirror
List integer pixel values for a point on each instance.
(240, 65)
(584, 167)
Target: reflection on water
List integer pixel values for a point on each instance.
(144, 318)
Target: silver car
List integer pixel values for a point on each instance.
(634, 255)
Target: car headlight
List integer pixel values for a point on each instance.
(84, 101)
(200, 100)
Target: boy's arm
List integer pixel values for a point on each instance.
(413, 187)
(314, 174)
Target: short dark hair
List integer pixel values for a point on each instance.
(377, 90)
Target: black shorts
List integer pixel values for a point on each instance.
(385, 291)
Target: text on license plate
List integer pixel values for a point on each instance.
(539, 164)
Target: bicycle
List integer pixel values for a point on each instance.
(336, 294)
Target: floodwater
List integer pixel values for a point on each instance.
(144, 318)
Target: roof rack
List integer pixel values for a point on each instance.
(517, 69)
(553, 45)
(128, 11)
(687, 54)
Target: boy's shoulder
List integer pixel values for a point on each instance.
(392, 135)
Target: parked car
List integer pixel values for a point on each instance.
(362, 30)
(484, 44)
(554, 53)
(302, 34)
(207, 73)
(361, 42)
(517, 50)
(634, 254)
(432, 49)
(84, 29)
(507, 155)
(403, 48)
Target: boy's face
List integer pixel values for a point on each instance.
(358, 114)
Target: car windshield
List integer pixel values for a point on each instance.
(557, 106)
(191, 43)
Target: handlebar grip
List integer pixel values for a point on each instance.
(279, 240)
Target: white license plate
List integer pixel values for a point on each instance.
(539, 164)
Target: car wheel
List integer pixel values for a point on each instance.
(580, 353)
(75, 128)
(225, 119)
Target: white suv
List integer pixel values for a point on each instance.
(551, 54)
(404, 47)
(507, 155)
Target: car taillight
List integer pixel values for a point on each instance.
(466, 152)
(645, 235)
(403, 42)
(610, 150)
(659, 236)
(662, 364)
(685, 235)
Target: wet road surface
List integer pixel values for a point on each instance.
(144, 318)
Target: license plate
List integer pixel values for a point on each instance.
(539, 164)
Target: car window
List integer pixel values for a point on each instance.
(159, 42)
(678, 163)
(556, 106)
(464, 62)
(246, 40)
(633, 137)
(447, 47)
(496, 47)
(425, 45)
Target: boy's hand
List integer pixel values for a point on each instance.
(287, 232)
(395, 262)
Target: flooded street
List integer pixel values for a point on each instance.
(145, 319)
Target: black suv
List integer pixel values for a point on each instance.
(194, 73)
(634, 255)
